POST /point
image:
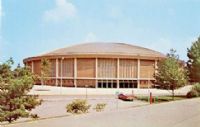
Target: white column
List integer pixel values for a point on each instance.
(138, 73)
(117, 72)
(61, 73)
(106, 83)
(156, 65)
(96, 72)
(75, 71)
(57, 72)
(32, 67)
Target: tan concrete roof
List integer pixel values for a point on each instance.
(105, 48)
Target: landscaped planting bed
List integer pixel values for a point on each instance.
(159, 99)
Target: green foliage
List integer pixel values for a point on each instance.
(159, 99)
(14, 86)
(34, 116)
(5, 70)
(100, 107)
(78, 106)
(192, 93)
(195, 91)
(196, 87)
(194, 61)
(171, 74)
(45, 70)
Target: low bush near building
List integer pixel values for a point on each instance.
(197, 87)
(34, 116)
(78, 106)
(159, 99)
(192, 93)
(100, 107)
(195, 91)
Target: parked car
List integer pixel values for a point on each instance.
(125, 97)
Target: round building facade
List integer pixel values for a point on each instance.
(99, 65)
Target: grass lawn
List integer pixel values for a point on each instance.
(159, 99)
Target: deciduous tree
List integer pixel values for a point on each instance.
(171, 73)
(45, 70)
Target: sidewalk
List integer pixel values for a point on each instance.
(52, 90)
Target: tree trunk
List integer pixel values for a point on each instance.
(42, 82)
(10, 120)
(10, 109)
(173, 92)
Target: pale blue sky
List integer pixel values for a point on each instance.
(32, 27)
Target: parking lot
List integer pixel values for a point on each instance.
(55, 105)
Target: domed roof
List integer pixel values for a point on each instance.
(100, 48)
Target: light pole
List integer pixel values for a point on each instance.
(116, 96)
(148, 86)
(86, 86)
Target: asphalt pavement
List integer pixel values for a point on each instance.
(183, 113)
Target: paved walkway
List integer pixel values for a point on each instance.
(53, 90)
(184, 113)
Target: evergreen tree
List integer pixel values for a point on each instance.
(14, 87)
(193, 63)
(171, 73)
(45, 70)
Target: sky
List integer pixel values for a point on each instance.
(33, 27)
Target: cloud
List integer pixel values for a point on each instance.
(62, 11)
(90, 37)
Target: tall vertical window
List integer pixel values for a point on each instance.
(107, 68)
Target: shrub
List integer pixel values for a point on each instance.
(34, 116)
(100, 107)
(78, 106)
(195, 91)
(196, 87)
(192, 93)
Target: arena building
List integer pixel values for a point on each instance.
(99, 65)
